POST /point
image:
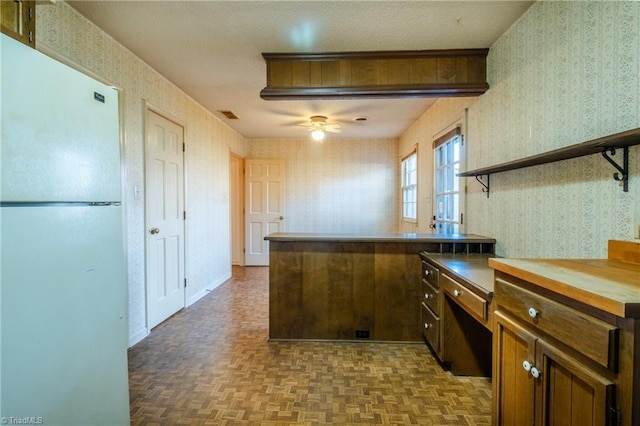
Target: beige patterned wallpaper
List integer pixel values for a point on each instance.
(337, 185)
(565, 73)
(66, 33)
(444, 115)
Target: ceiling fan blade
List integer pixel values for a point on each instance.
(333, 129)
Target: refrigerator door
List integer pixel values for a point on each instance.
(59, 130)
(63, 315)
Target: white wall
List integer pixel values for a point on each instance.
(337, 185)
(62, 30)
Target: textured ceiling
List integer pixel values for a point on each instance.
(212, 50)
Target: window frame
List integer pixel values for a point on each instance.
(411, 186)
(453, 185)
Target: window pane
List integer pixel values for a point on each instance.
(456, 179)
(456, 149)
(455, 215)
(413, 177)
(409, 182)
(447, 186)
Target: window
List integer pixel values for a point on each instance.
(410, 187)
(447, 150)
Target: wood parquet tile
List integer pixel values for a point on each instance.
(211, 364)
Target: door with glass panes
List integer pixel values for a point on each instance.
(448, 216)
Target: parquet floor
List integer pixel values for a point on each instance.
(211, 364)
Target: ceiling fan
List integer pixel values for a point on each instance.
(319, 126)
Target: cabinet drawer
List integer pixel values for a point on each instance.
(431, 297)
(431, 274)
(470, 302)
(431, 328)
(590, 336)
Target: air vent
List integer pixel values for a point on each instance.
(229, 114)
(357, 119)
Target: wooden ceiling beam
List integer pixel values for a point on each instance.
(385, 74)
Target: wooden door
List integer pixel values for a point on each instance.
(264, 203)
(513, 384)
(571, 393)
(165, 218)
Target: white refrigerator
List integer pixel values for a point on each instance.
(63, 354)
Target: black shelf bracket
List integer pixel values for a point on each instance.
(486, 185)
(622, 175)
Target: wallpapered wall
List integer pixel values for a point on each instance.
(62, 30)
(337, 185)
(565, 73)
(444, 115)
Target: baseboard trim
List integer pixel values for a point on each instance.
(199, 295)
(138, 337)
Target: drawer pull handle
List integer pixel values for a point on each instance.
(526, 365)
(428, 296)
(533, 313)
(535, 372)
(456, 293)
(427, 325)
(426, 272)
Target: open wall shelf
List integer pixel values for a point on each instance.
(607, 146)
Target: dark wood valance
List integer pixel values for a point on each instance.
(385, 74)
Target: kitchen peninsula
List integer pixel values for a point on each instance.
(348, 287)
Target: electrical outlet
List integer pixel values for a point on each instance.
(362, 334)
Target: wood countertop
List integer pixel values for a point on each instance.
(373, 238)
(610, 285)
(472, 270)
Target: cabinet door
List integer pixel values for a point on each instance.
(513, 385)
(18, 20)
(571, 393)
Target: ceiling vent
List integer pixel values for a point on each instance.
(229, 114)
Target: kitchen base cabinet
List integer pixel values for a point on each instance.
(456, 300)
(355, 287)
(561, 361)
(538, 384)
(513, 385)
(571, 393)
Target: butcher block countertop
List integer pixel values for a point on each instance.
(611, 285)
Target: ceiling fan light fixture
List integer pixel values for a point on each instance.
(317, 134)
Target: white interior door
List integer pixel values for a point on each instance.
(264, 203)
(164, 218)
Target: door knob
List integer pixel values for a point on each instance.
(154, 231)
(281, 217)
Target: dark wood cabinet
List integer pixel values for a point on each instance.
(456, 295)
(18, 20)
(350, 287)
(536, 383)
(570, 356)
